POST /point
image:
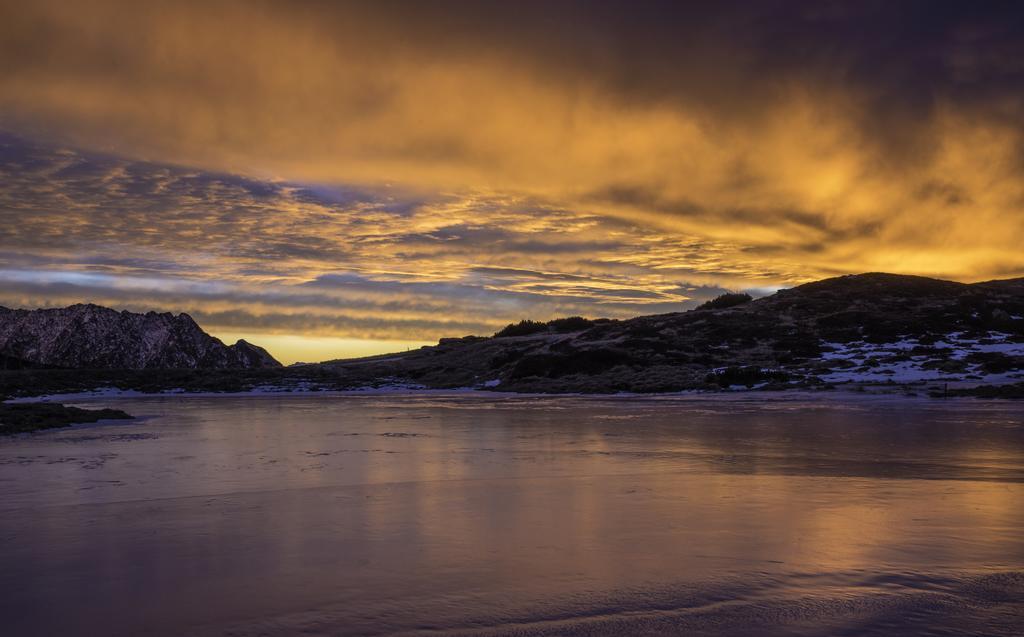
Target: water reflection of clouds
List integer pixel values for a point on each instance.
(331, 503)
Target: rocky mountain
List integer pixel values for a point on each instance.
(874, 328)
(94, 337)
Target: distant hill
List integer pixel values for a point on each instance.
(95, 337)
(859, 328)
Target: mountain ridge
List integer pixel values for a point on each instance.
(89, 336)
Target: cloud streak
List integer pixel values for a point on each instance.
(247, 256)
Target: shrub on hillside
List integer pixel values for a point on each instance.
(570, 324)
(525, 327)
(729, 299)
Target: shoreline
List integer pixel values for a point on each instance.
(902, 392)
(85, 402)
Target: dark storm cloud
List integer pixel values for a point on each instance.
(736, 56)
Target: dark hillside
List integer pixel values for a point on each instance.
(788, 338)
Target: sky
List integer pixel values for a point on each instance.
(334, 179)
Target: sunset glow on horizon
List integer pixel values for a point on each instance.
(344, 179)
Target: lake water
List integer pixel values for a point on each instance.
(492, 515)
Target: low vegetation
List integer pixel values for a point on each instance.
(527, 327)
(729, 299)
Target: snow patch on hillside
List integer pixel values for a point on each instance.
(952, 358)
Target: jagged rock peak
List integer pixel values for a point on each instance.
(90, 336)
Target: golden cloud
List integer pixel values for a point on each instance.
(781, 148)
